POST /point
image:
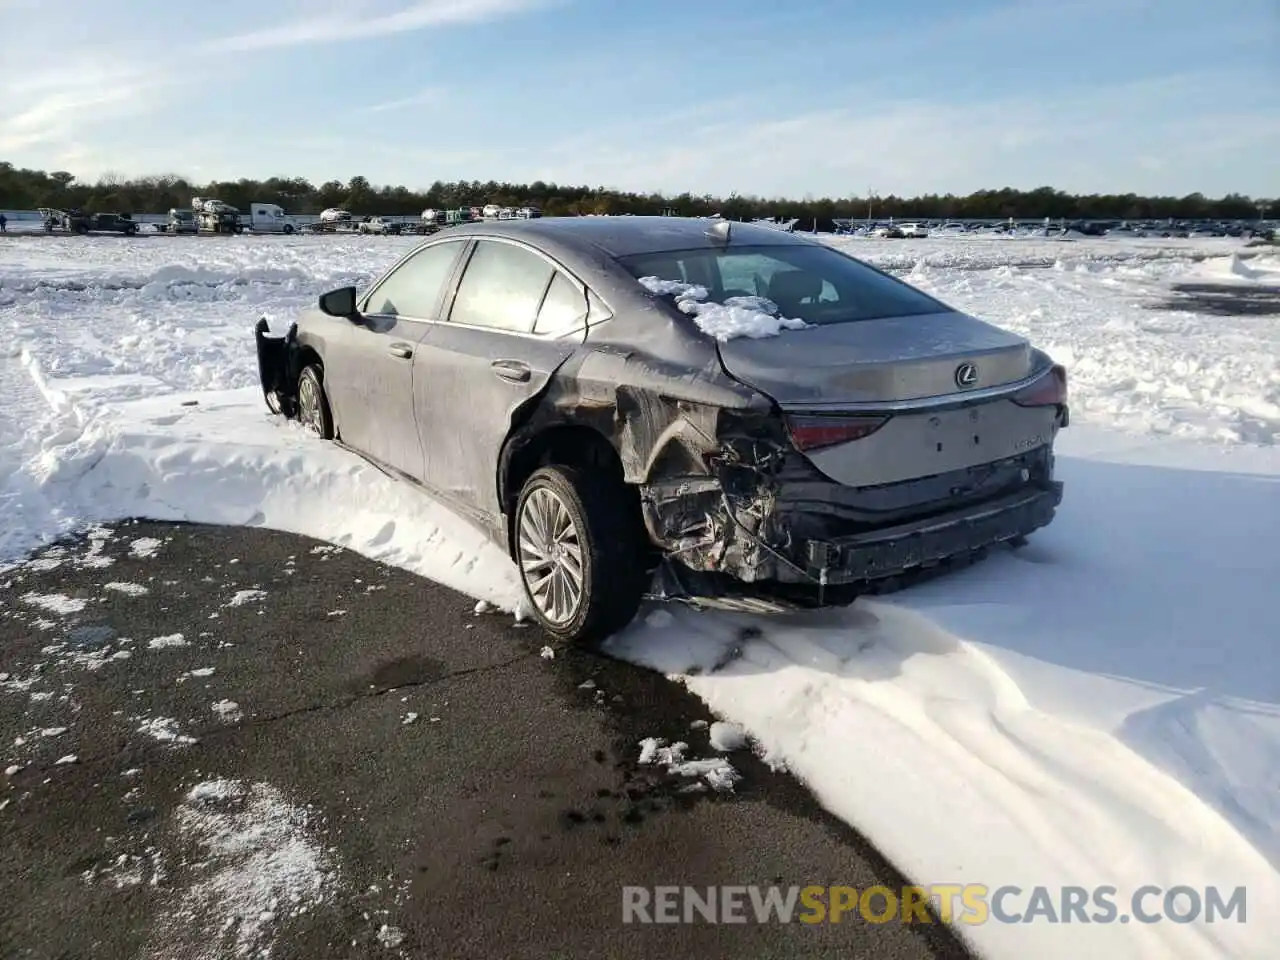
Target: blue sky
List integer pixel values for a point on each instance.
(808, 97)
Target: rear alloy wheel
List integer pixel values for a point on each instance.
(313, 405)
(580, 553)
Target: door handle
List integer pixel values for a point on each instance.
(401, 350)
(516, 371)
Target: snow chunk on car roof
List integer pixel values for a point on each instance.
(754, 317)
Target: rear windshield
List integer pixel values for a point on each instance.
(809, 282)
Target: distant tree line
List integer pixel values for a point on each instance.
(22, 189)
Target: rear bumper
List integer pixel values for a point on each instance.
(895, 550)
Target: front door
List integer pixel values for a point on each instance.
(514, 320)
(371, 390)
(376, 407)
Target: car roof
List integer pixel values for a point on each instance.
(626, 236)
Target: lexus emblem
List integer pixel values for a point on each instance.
(966, 375)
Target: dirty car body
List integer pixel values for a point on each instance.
(882, 432)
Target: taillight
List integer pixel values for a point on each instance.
(1049, 391)
(816, 432)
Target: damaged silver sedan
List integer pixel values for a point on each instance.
(749, 414)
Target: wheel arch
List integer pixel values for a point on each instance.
(562, 442)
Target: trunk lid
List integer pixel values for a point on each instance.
(887, 360)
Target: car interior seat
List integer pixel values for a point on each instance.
(790, 289)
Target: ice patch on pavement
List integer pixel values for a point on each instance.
(256, 862)
(57, 603)
(128, 870)
(242, 597)
(165, 729)
(144, 547)
(128, 589)
(168, 640)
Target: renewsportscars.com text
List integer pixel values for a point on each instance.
(972, 904)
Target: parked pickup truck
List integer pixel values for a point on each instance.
(379, 225)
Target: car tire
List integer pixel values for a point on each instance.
(604, 526)
(313, 404)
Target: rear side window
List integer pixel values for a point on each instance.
(809, 282)
(501, 288)
(563, 309)
(413, 289)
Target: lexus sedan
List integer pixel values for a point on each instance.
(726, 410)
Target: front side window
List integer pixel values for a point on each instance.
(413, 289)
(502, 287)
(808, 282)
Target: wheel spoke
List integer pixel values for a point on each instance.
(531, 548)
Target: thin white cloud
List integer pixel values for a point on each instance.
(51, 108)
(431, 95)
(357, 25)
(1096, 140)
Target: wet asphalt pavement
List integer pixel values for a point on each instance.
(1224, 299)
(382, 772)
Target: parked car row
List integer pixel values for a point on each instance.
(1048, 227)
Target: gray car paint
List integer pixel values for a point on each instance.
(926, 444)
(711, 461)
(871, 361)
(479, 379)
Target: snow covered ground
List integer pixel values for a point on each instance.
(1100, 708)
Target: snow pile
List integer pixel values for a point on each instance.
(258, 863)
(1097, 708)
(754, 317)
(1260, 270)
(717, 772)
(727, 737)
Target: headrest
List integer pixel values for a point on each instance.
(792, 286)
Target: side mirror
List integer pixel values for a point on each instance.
(339, 303)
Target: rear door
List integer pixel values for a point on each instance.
(370, 379)
(515, 317)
